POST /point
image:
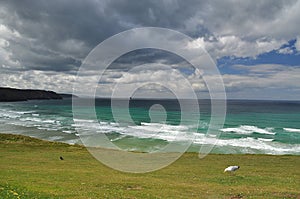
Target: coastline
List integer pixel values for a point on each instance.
(193, 149)
(32, 167)
(270, 128)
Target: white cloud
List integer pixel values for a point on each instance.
(264, 81)
(8, 33)
(259, 81)
(235, 46)
(38, 79)
(297, 44)
(286, 50)
(151, 82)
(246, 19)
(246, 29)
(6, 59)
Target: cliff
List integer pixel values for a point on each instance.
(12, 95)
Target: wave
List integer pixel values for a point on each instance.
(182, 134)
(24, 112)
(32, 119)
(145, 130)
(9, 114)
(252, 145)
(156, 131)
(265, 139)
(4, 113)
(68, 131)
(83, 120)
(245, 129)
(73, 141)
(292, 130)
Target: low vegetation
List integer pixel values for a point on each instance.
(31, 168)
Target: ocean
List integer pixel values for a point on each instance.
(251, 127)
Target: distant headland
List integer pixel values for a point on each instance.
(14, 95)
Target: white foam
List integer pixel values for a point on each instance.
(24, 112)
(265, 139)
(83, 120)
(68, 131)
(48, 128)
(172, 133)
(73, 141)
(158, 128)
(49, 121)
(160, 131)
(9, 114)
(245, 129)
(32, 119)
(292, 130)
(52, 138)
(236, 130)
(250, 144)
(145, 130)
(118, 138)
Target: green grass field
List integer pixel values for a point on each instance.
(31, 168)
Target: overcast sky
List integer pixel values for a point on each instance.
(255, 44)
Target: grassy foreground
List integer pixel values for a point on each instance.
(31, 168)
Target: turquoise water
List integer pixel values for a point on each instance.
(267, 127)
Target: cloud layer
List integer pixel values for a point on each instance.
(42, 43)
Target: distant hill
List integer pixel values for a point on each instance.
(13, 94)
(64, 95)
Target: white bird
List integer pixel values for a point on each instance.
(231, 169)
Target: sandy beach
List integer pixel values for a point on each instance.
(31, 168)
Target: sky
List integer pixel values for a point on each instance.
(254, 44)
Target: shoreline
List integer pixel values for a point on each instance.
(247, 130)
(188, 151)
(192, 151)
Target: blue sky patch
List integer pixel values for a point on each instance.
(273, 57)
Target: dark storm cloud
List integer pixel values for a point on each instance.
(58, 34)
(59, 20)
(41, 58)
(144, 56)
(51, 29)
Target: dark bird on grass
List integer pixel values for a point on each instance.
(231, 169)
(61, 158)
